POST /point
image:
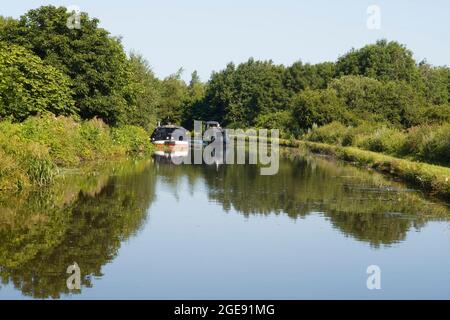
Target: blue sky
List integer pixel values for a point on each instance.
(205, 35)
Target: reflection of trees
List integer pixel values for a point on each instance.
(84, 219)
(358, 203)
(39, 239)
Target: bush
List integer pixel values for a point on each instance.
(332, 133)
(429, 143)
(133, 140)
(31, 152)
(383, 140)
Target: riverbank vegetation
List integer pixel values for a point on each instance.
(425, 143)
(376, 98)
(431, 178)
(31, 152)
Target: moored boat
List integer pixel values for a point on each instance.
(170, 138)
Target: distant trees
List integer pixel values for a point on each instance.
(239, 95)
(379, 82)
(173, 97)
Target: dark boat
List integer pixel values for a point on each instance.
(170, 138)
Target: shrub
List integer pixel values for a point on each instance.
(385, 140)
(429, 143)
(31, 152)
(333, 133)
(133, 139)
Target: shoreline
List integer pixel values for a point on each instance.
(430, 178)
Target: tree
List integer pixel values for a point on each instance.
(143, 111)
(382, 60)
(194, 107)
(301, 76)
(174, 93)
(318, 107)
(29, 87)
(5, 21)
(434, 83)
(94, 61)
(239, 95)
(396, 102)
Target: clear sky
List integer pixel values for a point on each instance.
(205, 35)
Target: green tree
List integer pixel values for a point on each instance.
(194, 107)
(396, 102)
(93, 60)
(29, 87)
(240, 94)
(319, 107)
(5, 21)
(145, 88)
(301, 76)
(383, 61)
(174, 93)
(434, 83)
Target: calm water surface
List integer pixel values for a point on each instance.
(148, 229)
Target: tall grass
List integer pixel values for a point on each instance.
(32, 151)
(426, 143)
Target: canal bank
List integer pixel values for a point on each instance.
(431, 178)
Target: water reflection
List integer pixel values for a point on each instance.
(361, 204)
(87, 216)
(81, 220)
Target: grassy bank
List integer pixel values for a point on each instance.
(32, 152)
(430, 178)
(425, 143)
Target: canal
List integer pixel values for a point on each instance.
(149, 229)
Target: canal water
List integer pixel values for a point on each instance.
(149, 229)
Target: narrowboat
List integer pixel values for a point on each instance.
(170, 138)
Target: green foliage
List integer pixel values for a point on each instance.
(174, 94)
(384, 140)
(281, 120)
(392, 102)
(383, 61)
(434, 83)
(29, 87)
(40, 145)
(319, 107)
(427, 143)
(94, 61)
(435, 114)
(301, 76)
(143, 109)
(332, 133)
(133, 139)
(238, 95)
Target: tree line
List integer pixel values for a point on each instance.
(86, 72)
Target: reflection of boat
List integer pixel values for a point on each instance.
(170, 138)
(218, 132)
(171, 157)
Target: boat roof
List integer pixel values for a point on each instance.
(170, 126)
